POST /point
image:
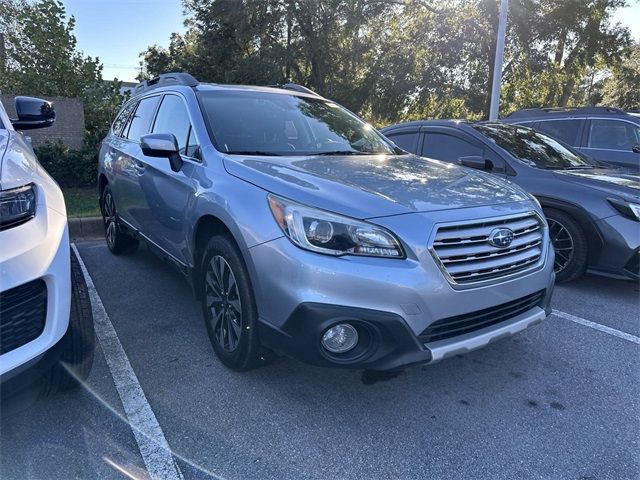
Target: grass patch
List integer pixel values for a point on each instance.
(81, 202)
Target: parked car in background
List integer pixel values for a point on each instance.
(606, 134)
(304, 230)
(593, 211)
(46, 325)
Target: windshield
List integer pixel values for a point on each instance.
(264, 123)
(532, 147)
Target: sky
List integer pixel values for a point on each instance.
(117, 31)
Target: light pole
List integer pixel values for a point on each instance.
(497, 66)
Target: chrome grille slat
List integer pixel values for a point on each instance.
(465, 254)
(448, 253)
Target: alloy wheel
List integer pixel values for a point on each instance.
(562, 243)
(223, 303)
(109, 215)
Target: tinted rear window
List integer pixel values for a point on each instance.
(141, 119)
(564, 130)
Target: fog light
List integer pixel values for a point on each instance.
(340, 338)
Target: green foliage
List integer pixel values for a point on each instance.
(391, 60)
(69, 167)
(622, 89)
(42, 60)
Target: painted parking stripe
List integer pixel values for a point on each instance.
(152, 443)
(597, 326)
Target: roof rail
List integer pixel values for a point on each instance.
(295, 87)
(538, 112)
(172, 78)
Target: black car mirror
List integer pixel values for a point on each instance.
(162, 145)
(476, 161)
(636, 148)
(33, 113)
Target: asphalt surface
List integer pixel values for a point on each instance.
(558, 401)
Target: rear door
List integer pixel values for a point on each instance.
(125, 161)
(613, 140)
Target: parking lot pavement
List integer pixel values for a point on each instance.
(560, 400)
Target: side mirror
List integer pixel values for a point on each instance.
(636, 148)
(33, 113)
(477, 162)
(162, 145)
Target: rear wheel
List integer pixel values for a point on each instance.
(228, 305)
(78, 344)
(118, 241)
(569, 243)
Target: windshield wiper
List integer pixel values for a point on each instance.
(344, 152)
(568, 167)
(254, 152)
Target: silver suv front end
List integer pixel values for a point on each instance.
(454, 292)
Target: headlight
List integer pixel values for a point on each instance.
(17, 206)
(331, 234)
(628, 209)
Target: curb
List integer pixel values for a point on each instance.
(85, 227)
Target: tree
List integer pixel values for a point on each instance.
(390, 60)
(42, 59)
(622, 89)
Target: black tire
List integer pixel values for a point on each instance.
(78, 344)
(118, 241)
(570, 243)
(234, 336)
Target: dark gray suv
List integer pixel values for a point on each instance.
(605, 134)
(593, 211)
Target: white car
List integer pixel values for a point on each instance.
(46, 325)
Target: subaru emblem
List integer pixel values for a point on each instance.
(501, 237)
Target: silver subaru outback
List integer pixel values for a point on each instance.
(304, 231)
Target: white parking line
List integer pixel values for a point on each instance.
(597, 326)
(151, 441)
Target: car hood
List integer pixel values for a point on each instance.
(366, 186)
(614, 181)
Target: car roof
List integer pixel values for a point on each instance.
(426, 123)
(560, 112)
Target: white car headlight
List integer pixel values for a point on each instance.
(324, 232)
(17, 206)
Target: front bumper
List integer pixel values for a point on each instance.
(393, 300)
(37, 249)
(621, 252)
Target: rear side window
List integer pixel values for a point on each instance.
(448, 148)
(564, 130)
(406, 141)
(141, 119)
(173, 118)
(122, 118)
(613, 135)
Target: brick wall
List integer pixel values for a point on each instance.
(68, 127)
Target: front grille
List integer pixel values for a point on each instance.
(23, 311)
(469, 322)
(465, 253)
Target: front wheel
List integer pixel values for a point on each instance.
(78, 344)
(569, 243)
(228, 305)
